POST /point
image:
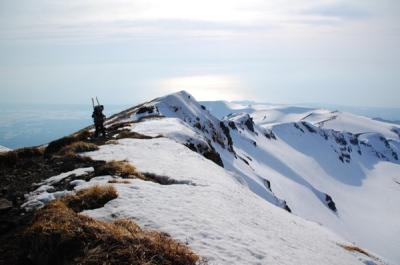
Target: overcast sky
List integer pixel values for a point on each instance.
(127, 51)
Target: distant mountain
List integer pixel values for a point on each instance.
(387, 121)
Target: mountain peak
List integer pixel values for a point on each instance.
(261, 169)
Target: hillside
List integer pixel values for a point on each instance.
(233, 190)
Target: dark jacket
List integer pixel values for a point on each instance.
(98, 116)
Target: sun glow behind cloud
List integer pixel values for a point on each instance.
(206, 87)
(284, 50)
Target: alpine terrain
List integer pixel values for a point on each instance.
(243, 183)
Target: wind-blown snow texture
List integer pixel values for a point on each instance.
(335, 169)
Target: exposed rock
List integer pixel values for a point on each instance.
(324, 134)
(214, 156)
(286, 207)
(250, 124)
(227, 133)
(232, 125)
(249, 158)
(191, 146)
(330, 203)
(197, 125)
(339, 138)
(144, 109)
(244, 160)
(267, 184)
(175, 109)
(298, 127)
(309, 127)
(354, 140)
(270, 135)
(5, 204)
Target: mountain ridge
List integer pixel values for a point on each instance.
(249, 149)
(226, 186)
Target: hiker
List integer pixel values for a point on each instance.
(98, 118)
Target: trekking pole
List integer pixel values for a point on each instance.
(93, 102)
(98, 104)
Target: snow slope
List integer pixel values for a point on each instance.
(221, 109)
(345, 181)
(267, 115)
(219, 217)
(249, 162)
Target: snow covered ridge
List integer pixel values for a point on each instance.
(337, 169)
(228, 175)
(4, 149)
(220, 219)
(267, 115)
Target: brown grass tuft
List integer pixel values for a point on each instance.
(90, 198)
(118, 168)
(119, 181)
(356, 249)
(131, 134)
(10, 158)
(58, 235)
(112, 142)
(78, 147)
(57, 145)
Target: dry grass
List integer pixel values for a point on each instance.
(356, 249)
(10, 158)
(59, 235)
(112, 142)
(78, 147)
(119, 181)
(90, 198)
(131, 134)
(57, 145)
(118, 168)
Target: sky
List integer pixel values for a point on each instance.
(128, 51)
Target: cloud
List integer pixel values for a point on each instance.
(99, 20)
(339, 11)
(205, 87)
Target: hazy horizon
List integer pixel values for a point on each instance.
(33, 124)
